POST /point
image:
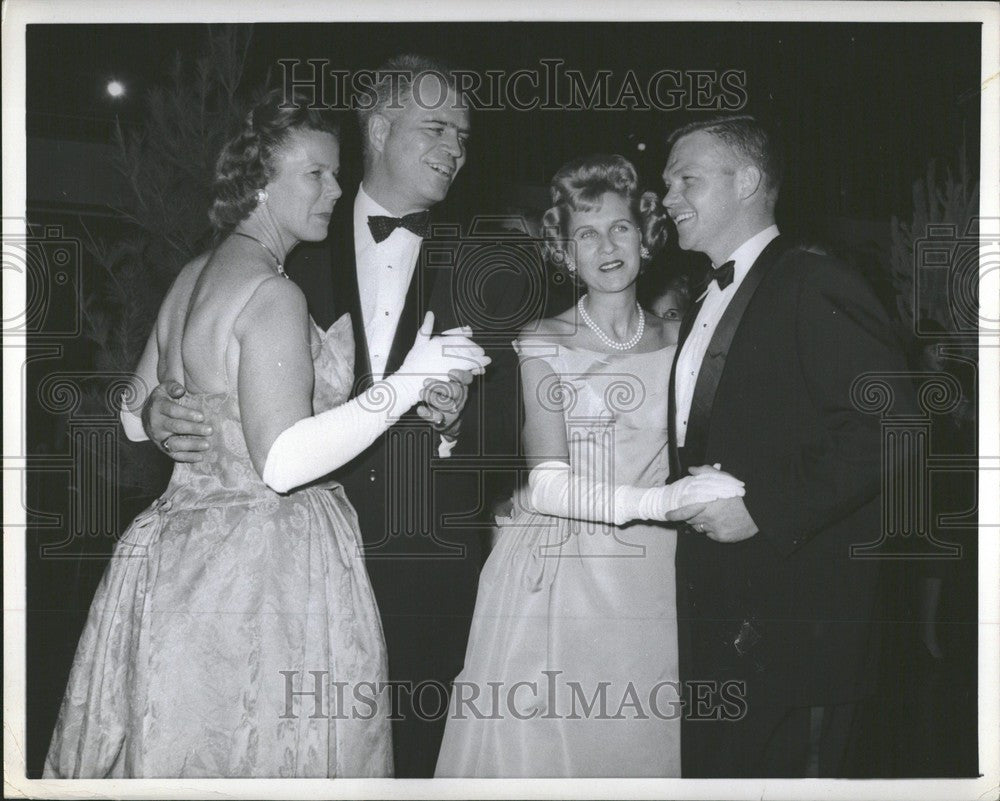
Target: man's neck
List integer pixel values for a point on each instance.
(388, 197)
(741, 236)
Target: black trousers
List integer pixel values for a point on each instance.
(772, 741)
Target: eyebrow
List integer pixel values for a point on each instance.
(613, 222)
(446, 124)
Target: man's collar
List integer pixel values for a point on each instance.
(746, 254)
(367, 205)
(743, 259)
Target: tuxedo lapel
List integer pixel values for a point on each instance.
(710, 372)
(347, 297)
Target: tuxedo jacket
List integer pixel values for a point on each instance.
(773, 405)
(422, 556)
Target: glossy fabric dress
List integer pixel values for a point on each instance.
(571, 668)
(223, 602)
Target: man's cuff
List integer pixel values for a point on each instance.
(132, 424)
(446, 446)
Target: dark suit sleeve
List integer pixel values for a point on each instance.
(841, 333)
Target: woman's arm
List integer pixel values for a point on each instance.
(288, 446)
(141, 384)
(275, 379)
(557, 491)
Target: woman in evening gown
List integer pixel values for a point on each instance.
(571, 667)
(233, 606)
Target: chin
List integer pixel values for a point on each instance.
(436, 193)
(312, 236)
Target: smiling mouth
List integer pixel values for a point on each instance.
(442, 170)
(608, 266)
(687, 215)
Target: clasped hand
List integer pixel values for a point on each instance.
(448, 362)
(725, 519)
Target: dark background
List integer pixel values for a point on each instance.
(863, 109)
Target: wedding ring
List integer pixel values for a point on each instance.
(165, 444)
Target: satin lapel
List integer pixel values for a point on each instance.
(714, 362)
(686, 325)
(414, 307)
(346, 295)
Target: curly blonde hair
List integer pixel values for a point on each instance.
(579, 186)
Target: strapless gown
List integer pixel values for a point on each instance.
(234, 633)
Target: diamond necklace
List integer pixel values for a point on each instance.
(277, 262)
(628, 344)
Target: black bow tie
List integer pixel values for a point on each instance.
(382, 226)
(723, 275)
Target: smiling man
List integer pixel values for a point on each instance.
(373, 266)
(768, 593)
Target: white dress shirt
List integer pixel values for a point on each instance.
(716, 301)
(385, 270)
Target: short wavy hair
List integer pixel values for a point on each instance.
(394, 86)
(751, 139)
(246, 162)
(579, 186)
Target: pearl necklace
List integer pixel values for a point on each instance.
(277, 262)
(628, 344)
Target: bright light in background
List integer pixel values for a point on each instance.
(116, 88)
(641, 146)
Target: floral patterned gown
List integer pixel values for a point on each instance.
(228, 617)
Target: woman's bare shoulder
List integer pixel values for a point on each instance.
(550, 329)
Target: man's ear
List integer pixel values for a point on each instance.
(378, 131)
(749, 181)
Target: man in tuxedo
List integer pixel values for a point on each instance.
(375, 266)
(768, 594)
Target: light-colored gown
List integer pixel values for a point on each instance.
(223, 601)
(571, 668)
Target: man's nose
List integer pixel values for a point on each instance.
(452, 143)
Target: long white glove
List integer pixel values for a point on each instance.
(314, 446)
(556, 491)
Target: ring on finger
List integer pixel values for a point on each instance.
(165, 444)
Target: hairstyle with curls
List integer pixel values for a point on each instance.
(394, 86)
(246, 162)
(749, 138)
(579, 185)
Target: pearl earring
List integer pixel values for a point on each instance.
(644, 252)
(261, 196)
